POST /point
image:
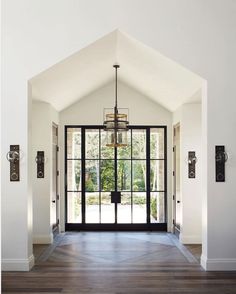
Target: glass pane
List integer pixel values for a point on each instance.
(139, 175)
(106, 152)
(125, 152)
(107, 209)
(139, 208)
(157, 175)
(124, 175)
(157, 143)
(157, 207)
(73, 175)
(92, 208)
(107, 175)
(92, 144)
(73, 143)
(124, 209)
(139, 144)
(74, 207)
(91, 175)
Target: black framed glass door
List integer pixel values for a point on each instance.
(93, 172)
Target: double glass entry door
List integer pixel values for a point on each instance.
(93, 171)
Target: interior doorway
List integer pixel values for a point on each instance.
(176, 180)
(116, 188)
(55, 195)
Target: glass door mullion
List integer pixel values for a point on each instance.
(99, 186)
(83, 173)
(148, 174)
(115, 167)
(131, 171)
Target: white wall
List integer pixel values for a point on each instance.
(43, 116)
(189, 117)
(189, 32)
(142, 111)
(192, 189)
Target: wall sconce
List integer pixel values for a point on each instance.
(192, 160)
(221, 158)
(40, 160)
(13, 156)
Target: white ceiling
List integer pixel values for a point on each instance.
(143, 68)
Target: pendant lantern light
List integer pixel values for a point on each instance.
(116, 122)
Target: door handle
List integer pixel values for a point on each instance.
(115, 197)
(53, 201)
(178, 201)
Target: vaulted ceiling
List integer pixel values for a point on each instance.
(142, 68)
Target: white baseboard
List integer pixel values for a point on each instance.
(190, 239)
(61, 229)
(23, 265)
(218, 264)
(43, 239)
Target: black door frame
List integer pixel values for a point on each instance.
(117, 227)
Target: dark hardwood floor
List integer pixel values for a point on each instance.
(117, 262)
(39, 249)
(196, 250)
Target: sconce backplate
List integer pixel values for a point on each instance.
(15, 164)
(40, 164)
(191, 164)
(220, 159)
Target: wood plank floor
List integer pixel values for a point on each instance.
(196, 251)
(117, 262)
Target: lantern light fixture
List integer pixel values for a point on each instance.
(116, 122)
